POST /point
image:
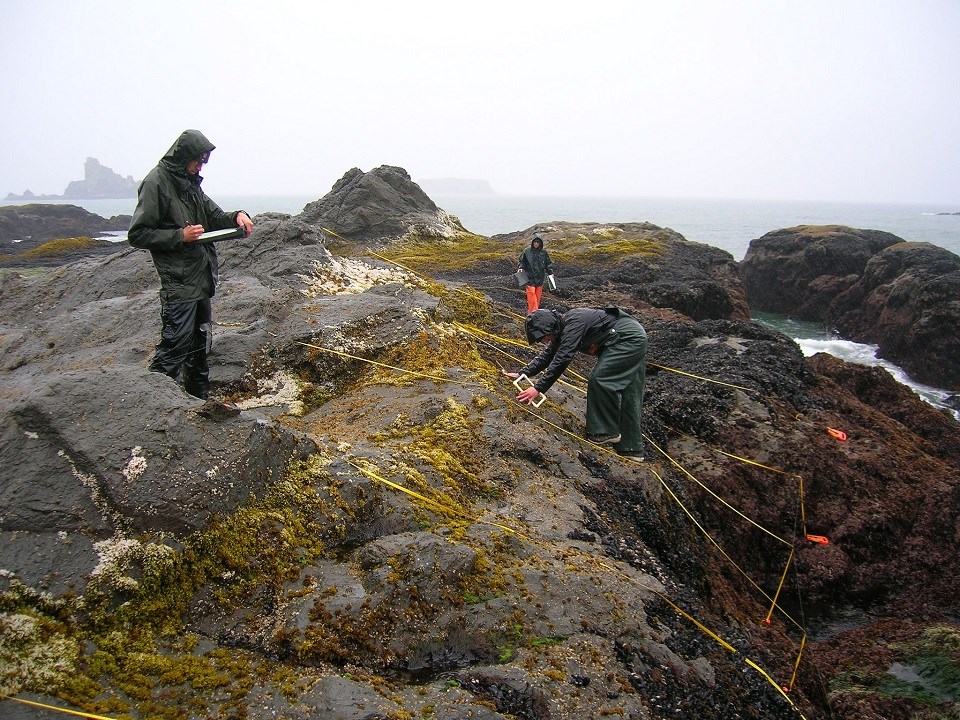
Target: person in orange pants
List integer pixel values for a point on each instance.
(536, 262)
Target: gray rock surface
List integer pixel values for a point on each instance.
(380, 205)
(398, 538)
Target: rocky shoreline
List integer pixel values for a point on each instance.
(873, 287)
(362, 542)
(40, 235)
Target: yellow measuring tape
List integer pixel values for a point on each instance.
(77, 713)
(433, 503)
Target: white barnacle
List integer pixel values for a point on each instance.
(136, 465)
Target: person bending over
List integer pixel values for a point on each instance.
(615, 387)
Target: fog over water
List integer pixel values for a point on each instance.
(826, 100)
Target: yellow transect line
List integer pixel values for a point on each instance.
(715, 636)
(705, 379)
(717, 497)
(390, 367)
(443, 508)
(77, 713)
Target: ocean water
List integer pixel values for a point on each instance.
(726, 224)
(815, 338)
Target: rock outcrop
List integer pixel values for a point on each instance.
(382, 531)
(380, 205)
(871, 286)
(907, 301)
(635, 264)
(799, 271)
(25, 228)
(100, 182)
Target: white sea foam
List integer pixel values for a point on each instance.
(863, 354)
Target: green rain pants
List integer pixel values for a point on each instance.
(615, 387)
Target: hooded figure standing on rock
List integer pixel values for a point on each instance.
(615, 387)
(172, 212)
(538, 266)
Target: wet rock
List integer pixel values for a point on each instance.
(906, 303)
(23, 227)
(380, 205)
(799, 271)
(871, 286)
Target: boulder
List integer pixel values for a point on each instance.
(869, 285)
(799, 271)
(380, 205)
(907, 302)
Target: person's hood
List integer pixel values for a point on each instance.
(189, 146)
(537, 242)
(541, 323)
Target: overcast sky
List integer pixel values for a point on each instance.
(809, 100)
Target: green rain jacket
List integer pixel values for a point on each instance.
(536, 261)
(168, 200)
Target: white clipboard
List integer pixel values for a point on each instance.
(519, 385)
(218, 235)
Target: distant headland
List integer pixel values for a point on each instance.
(455, 186)
(99, 183)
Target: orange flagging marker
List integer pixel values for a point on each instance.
(838, 434)
(818, 539)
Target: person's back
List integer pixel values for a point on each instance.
(614, 388)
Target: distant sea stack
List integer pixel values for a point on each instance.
(455, 186)
(99, 183)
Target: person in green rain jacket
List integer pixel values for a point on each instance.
(535, 260)
(172, 212)
(614, 388)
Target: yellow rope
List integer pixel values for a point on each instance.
(704, 379)
(716, 496)
(77, 713)
(796, 665)
(423, 498)
(390, 367)
(716, 637)
(776, 595)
